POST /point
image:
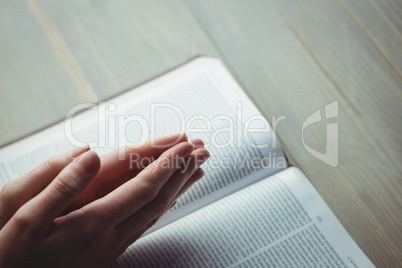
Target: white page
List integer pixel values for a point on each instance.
(200, 88)
(280, 221)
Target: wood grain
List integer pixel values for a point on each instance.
(117, 44)
(36, 87)
(294, 58)
(67, 52)
(381, 23)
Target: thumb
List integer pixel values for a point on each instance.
(66, 187)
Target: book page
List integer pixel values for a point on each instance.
(280, 221)
(200, 98)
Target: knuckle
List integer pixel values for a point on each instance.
(66, 186)
(149, 191)
(10, 197)
(24, 221)
(51, 163)
(21, 220)
(7, 194)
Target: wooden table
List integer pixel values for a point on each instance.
(292, 57)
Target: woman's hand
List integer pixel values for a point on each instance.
(123, 164)
(77, 210)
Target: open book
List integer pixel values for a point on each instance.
(249, 210)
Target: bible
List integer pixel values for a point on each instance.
(251, 209)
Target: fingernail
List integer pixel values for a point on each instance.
(204, 156)
(79, 150)
(188, 149)
(89, 161)
(198, 143)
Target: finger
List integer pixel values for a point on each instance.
(37, 179)
(134, 194)
(138, 234)
(123, 160)
(132, 239)
(17, 192)
(67, 185)
(196, 177)
(198, 143)
(166, 196)
(107, 187)
(123, 164)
